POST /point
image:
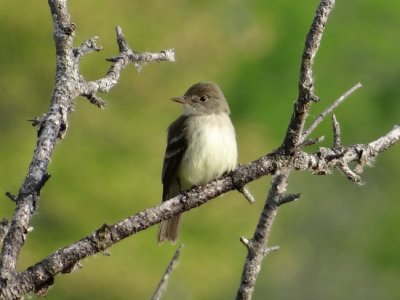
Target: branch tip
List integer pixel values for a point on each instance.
(288, 198)
(268, 250)
(169, 54)
(122, 46)
(336, 132)
(162, 285)
(331, 108)
(96, 100)
(350, 174)
(245, 242)
(86, 47)
(11, 196)
(247, 194)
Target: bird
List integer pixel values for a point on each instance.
(201, 146)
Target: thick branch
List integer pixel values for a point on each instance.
(65, 259)
(68, 85)
(51, 128)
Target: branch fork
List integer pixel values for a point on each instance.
(290, 156)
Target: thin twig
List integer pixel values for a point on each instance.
(337, 143)
(88, 46)
(288, 198)
(247, 194)
(331, 108)
(162, 285)
(88, 89)
(350, 174)
(310, 142)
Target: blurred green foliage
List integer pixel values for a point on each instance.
(340, 241)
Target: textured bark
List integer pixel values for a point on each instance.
(69, 84)
(40, 275)
(306, 82)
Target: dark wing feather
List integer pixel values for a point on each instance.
(176, 147)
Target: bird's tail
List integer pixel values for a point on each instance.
(169, 230)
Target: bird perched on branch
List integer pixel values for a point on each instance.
(201, 146)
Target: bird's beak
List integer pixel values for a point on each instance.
(180, 99)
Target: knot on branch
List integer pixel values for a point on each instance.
(256, 248)
(42, 288)
(184, 199)
(102, 238)
(87, 47)
(238, 183)
(69, 28)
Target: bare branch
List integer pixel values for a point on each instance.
(126, 55)
(257, 247)
(331, 108)
(336, 133)
(323, 160)
(11, 196)
(52, 127)
(69, 84)
(310, 142)
(306, 83)
(162, 285)
(88, 46)
(384, 142)
(288, 198)
(247, 194)
(96, 100)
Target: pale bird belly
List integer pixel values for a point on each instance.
(211, 152)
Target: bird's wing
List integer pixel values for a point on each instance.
(176, 146)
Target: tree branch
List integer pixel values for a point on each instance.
(330, 109)
(306, 83)
(162, 285)
(65, 259)
(69, 84)
(126, 55)
(53, 126)
(257, 247)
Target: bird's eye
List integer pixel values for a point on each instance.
(203, 98)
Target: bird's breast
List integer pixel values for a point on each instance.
(211, 151)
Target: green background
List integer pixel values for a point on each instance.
(340, 241)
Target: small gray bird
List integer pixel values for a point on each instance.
(201, 146)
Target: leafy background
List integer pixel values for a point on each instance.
(340, 241)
